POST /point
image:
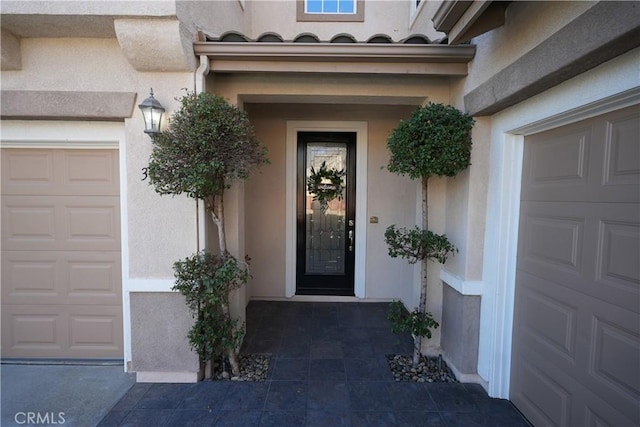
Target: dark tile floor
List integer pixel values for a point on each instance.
(328, 368)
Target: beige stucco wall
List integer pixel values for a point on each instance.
(214, 17)
(71, 64)
(466, 205)
(160, 229)
(527, 24)
(161, 352)
(421, 20)
(380, 17)
(330, 88)
(392, 199)
(264, 192)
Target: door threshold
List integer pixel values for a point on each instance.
(323, 298)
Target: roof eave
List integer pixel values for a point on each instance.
(334, 52)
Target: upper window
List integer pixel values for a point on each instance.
(330, 6)
(330, 10)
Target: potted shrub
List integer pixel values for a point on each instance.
(208, 145)
(435, 141)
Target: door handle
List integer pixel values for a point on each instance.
(350, 240)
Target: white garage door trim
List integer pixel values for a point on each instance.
(81, 135)
(501, 242)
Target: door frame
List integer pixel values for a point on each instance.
(360, 128)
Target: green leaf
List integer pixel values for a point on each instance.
(416, 244)
(436, 140)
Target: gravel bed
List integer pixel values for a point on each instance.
(429, 370)
(253, 367)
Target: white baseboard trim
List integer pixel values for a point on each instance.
(465, 378)
(465, 287)
(149, 285)
(166, 377)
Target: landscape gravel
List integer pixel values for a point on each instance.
(253, 367)
(429, 369)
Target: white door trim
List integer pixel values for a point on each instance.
(360, 128)
(501, 238)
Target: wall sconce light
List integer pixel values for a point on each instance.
(152, 112)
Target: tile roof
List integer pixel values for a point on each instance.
(343, 38)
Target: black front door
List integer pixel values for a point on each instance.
(326, 193)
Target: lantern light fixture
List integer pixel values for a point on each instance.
(152, 112)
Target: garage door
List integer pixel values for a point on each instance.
(576, 345)
(61, 280)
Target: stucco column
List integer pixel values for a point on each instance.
(234, 218)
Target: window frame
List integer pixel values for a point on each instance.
(303, 16)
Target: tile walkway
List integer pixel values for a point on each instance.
(328, 368)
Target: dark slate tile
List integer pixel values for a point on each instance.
(163, 396)
(282, 419)
(421, 419)
(358, 350)
(476, 391)
(238, 419)
(261, 307)
(245, 396)
(465, 419)
(452, 397)
(348, 307)
(376, 369)
(205, 395)
(409, 396)
(502, 412)
(321, 349)
(133, 396)
(295, 346)
(263, 346)
(192, 418)
(328, 418)
(146, 417)
(326, 331)
(386, 342)
(327, 369)
(369, 395)
(376, 315)
(489, 405)
(271, 331)
(356, 335)
(113, 418)
(290, 369)
(325, 311)
(287, 396)
(373, 419)
(327, 395)
(299, 327)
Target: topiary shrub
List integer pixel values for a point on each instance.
(208, 145)
(435, 141)
(205, 280)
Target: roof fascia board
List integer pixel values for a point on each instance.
(560, 57)
(449, 13)
(274, 66)
(479, 18)
(333, 52)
